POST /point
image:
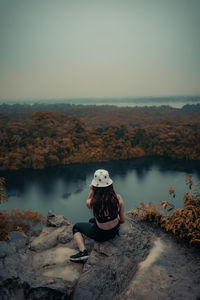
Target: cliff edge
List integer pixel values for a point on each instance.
(140, 263)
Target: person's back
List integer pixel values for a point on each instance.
(108, 211)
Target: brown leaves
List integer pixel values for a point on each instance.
(19, 221)
(189, 181)
(150, 212)
(171, 190)
(164, 204)
(48, 138)
(183, 222)
(3, 196)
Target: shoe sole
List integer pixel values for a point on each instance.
(80, 258)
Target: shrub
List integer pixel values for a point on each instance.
(182, 222)
(17, 220)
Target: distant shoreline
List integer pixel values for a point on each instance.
(173, 101)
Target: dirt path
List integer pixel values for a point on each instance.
(170, 271)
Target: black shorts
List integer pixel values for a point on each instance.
(91, 230)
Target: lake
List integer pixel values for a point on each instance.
(174, 104)
(64, 189)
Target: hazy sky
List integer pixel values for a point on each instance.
(99, 48)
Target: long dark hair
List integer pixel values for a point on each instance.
(104, 201)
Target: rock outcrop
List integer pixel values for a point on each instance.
(140, 263)
(112, 264)
(39, 268)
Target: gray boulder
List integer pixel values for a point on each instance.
(56, 221)
(39, 268)
(58, 230)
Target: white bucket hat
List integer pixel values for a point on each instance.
(101, 178)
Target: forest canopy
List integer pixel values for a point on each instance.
(68, 133)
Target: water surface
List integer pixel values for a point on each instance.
(64, 189)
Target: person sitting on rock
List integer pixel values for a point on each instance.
(108, 211)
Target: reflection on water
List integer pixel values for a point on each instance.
(64, 189)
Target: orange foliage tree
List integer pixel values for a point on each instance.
(17, 220)
(182, 222)
(48, 139)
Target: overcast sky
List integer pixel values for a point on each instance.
(99, 48)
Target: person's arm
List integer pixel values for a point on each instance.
(89, 197)
(122, 216)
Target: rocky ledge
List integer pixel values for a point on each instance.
(140, 263)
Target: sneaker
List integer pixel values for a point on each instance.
(80, 256)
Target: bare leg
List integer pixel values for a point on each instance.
(79, 240)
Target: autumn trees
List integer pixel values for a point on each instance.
(47, 139)
(36, 140)
(103, 116)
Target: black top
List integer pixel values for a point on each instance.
(105, 219)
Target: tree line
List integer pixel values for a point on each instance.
(105, 115)
(48, 139)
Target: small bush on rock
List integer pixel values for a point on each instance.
(17, 220)
(182, 222)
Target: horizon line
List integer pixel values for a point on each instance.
(100, 98)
